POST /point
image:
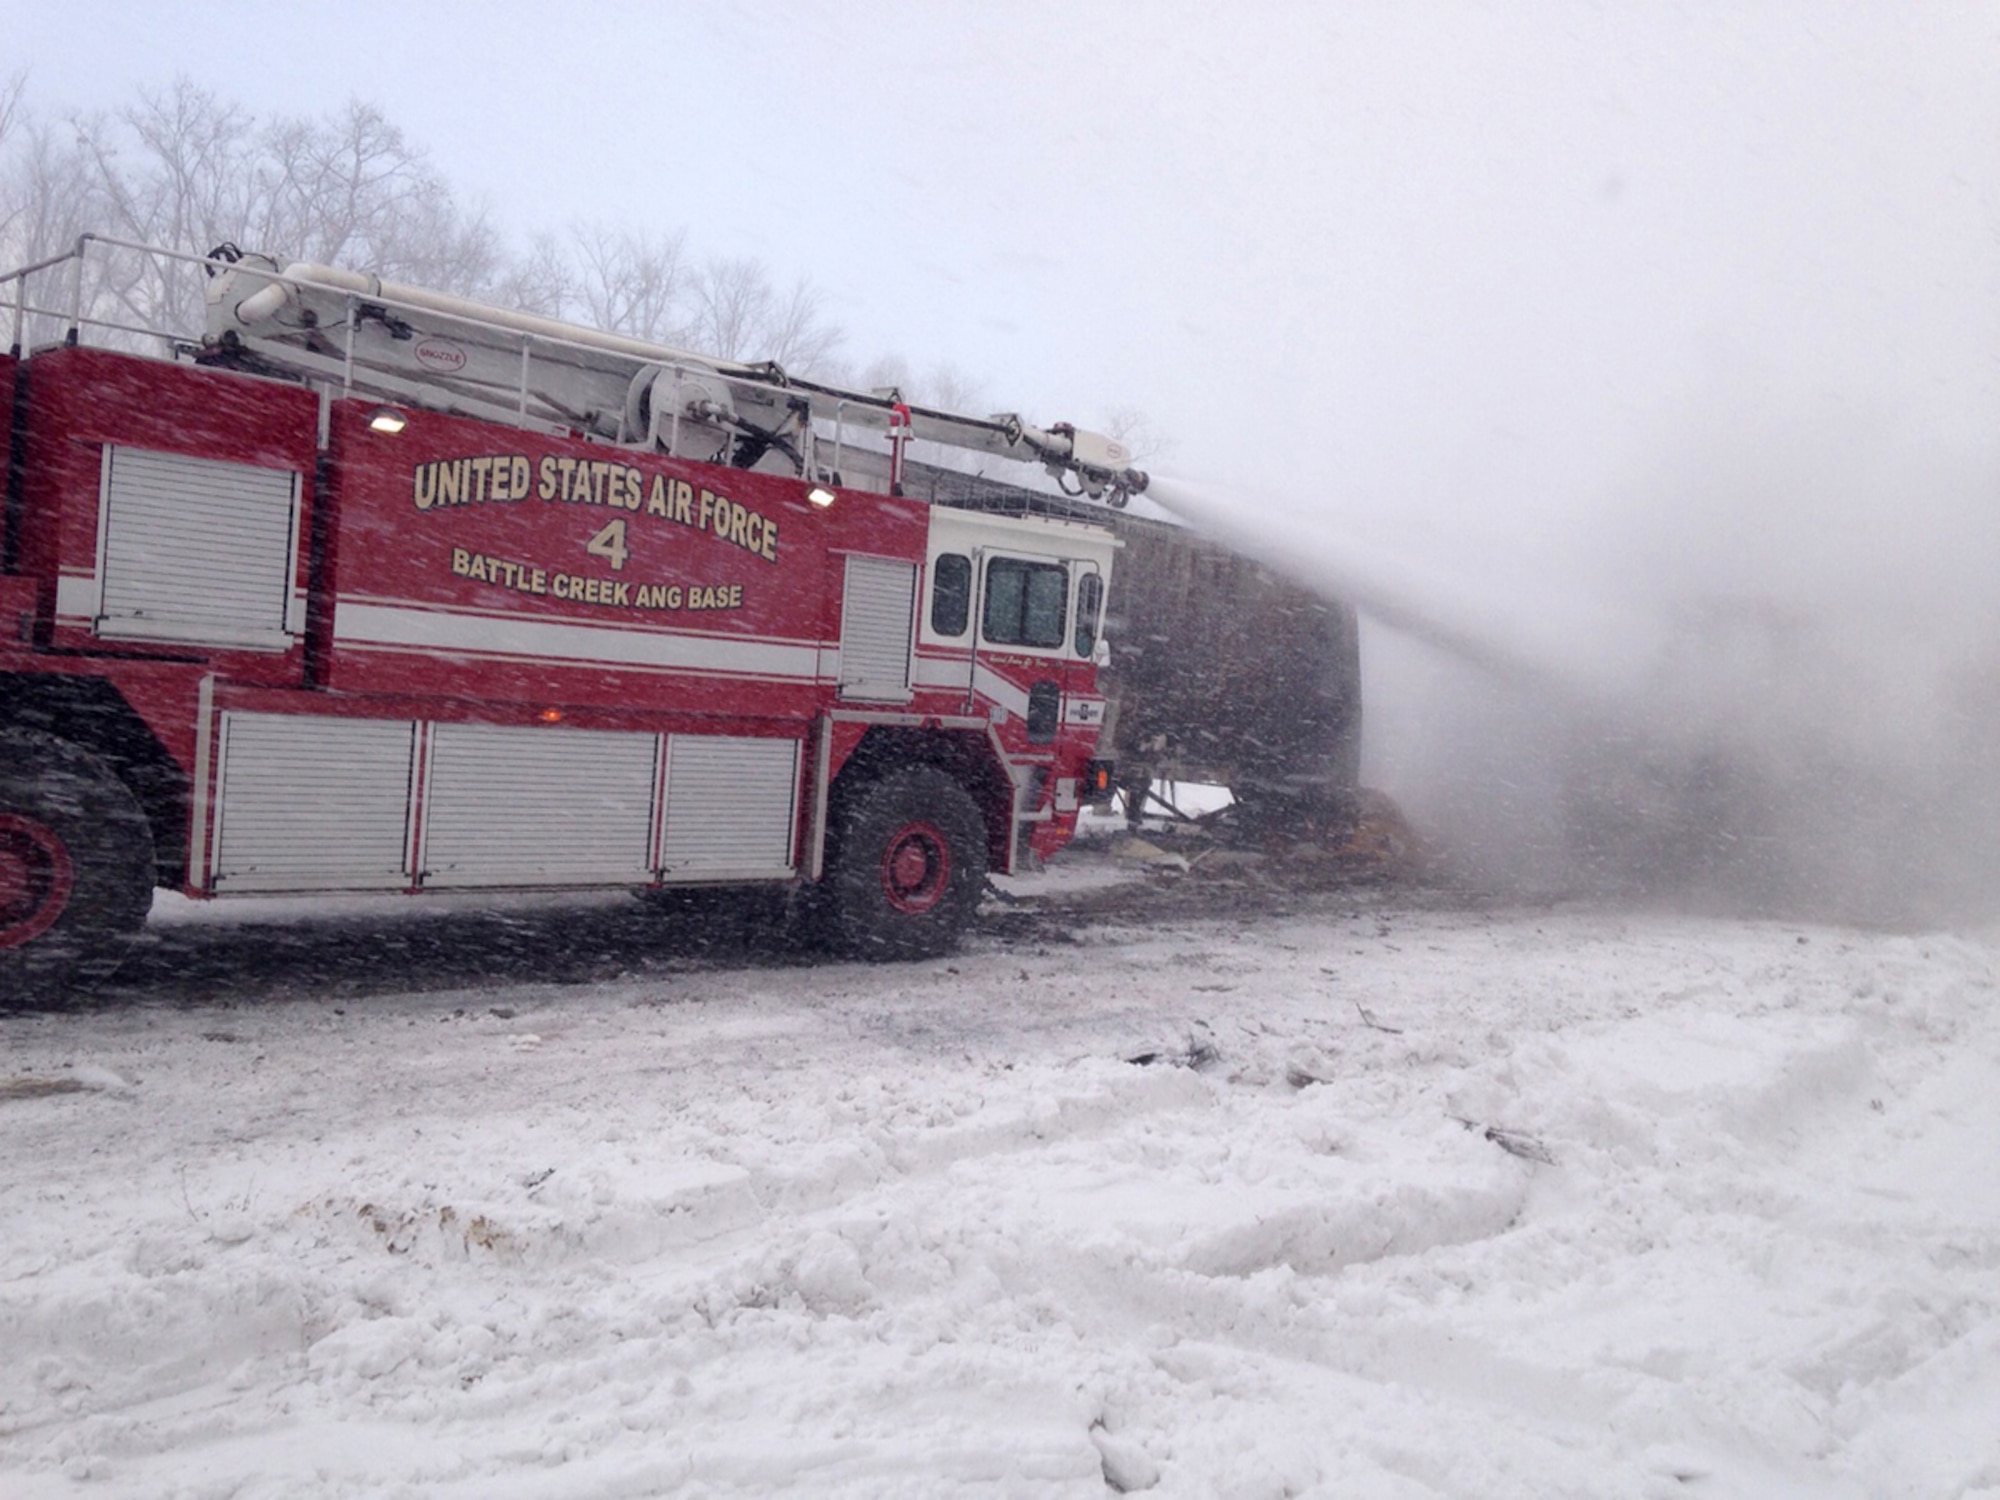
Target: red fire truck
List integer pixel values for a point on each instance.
(373, 589)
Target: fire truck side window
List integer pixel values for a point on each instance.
(1089, 595)
(1025, 602)
(951, 594)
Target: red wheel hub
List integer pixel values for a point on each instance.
(36, 878)
(916, 867)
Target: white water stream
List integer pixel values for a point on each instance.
(1804, 725)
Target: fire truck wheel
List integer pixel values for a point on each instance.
(908, 868)
(76, 867)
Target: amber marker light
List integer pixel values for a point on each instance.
(550, 716)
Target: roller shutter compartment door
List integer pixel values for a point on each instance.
(730, 810)
(877, 608)
(312, 804)
(196, 549)
(523, 806)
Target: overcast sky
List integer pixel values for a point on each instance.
(1653, 296)
(1430, 253)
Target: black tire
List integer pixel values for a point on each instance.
(906, 867)
(76, 868)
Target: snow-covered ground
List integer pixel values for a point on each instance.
(1355, 1193)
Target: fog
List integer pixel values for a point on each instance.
(1634, 370)
(1639, 387)
(1764, 681)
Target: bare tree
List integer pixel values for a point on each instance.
(192, 153)
(796, 333)
(443, 246)
(732, 301)
(191, 181)
(951, 388)
(543, 282)
(351, 190)
(10, 112)
(888, 372)
(46, 190)
(185, 169)
(632, 282)
(49, 195)
(741, 314)
(643, 284)
(945, 386)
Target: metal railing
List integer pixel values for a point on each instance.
(74, 314)
(613, 355)
(584, 345)
(76, 317)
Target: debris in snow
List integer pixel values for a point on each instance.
(1368, 1019)
(1200, 1052)
(1127, 1466)
(993, 892)
(524, 1041)
(37, 1088)
(1514, 1142)
(101, 1080)
(1140, 851)
(1229, 861)
(1308, 1066)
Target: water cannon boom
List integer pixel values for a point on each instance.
(1101, 464)
(411, 343)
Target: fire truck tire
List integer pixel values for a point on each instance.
(76, 868)
(908, 867)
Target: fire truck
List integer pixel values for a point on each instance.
(370, 588)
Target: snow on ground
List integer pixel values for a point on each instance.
(1360, 1193)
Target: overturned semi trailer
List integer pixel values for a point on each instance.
(1220, 671)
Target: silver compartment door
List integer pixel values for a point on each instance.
(195, 549)
(731, 807)
(524, 806)
(877, 609)
(311, 804)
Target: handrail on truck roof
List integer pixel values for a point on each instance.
(1060, 448)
